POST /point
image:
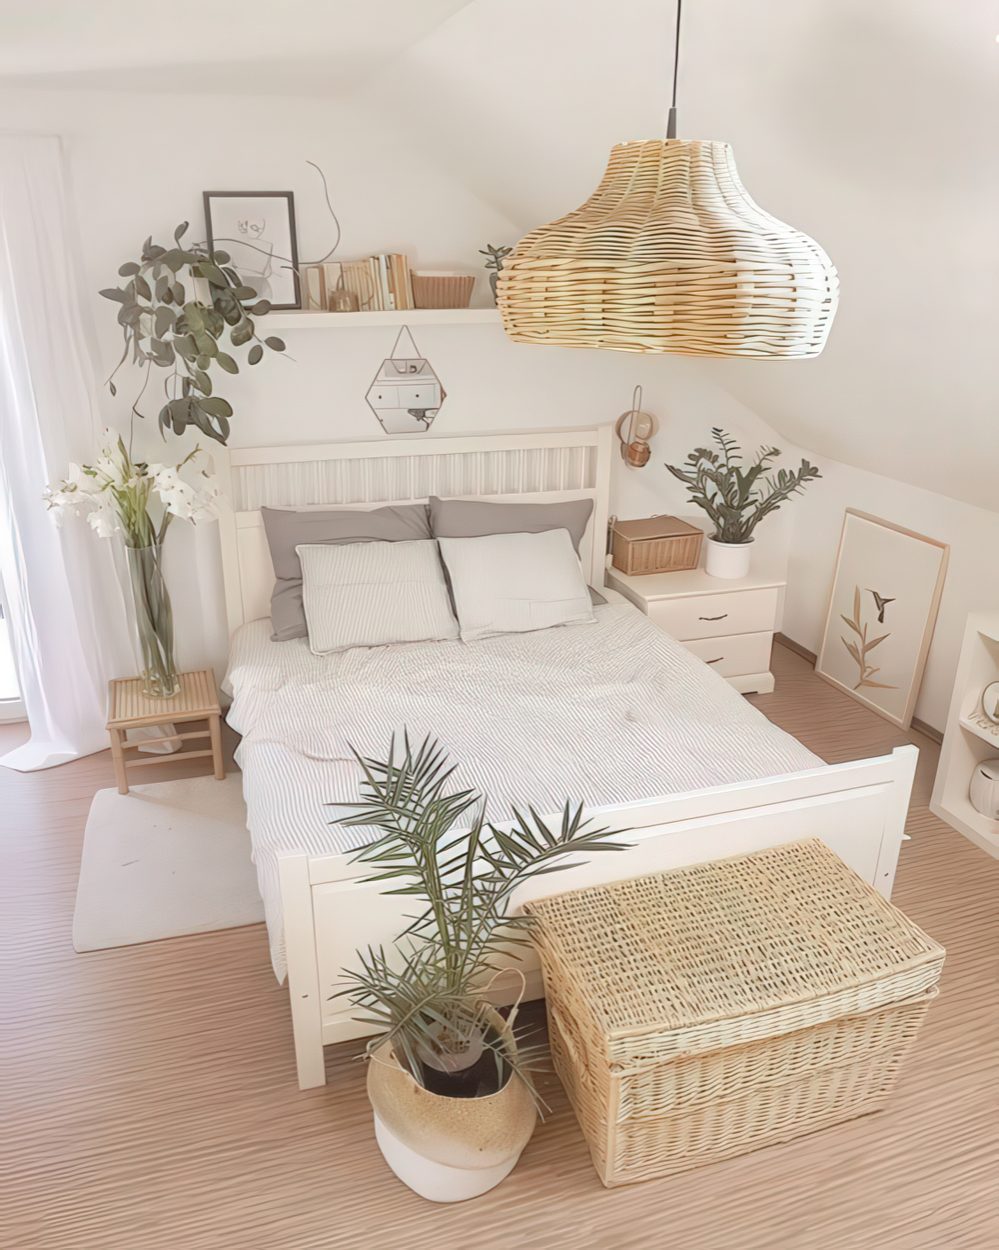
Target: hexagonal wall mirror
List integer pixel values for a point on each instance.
(406, 394)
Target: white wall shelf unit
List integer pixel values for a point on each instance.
(298, 320)
(970, 737)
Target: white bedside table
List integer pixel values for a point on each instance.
(728, 624)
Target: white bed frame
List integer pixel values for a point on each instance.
(858, 809)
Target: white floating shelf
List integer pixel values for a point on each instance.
(298, 320)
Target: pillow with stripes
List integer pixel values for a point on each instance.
(374, 593)
(515, 583)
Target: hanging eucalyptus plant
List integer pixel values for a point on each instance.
(173, 321)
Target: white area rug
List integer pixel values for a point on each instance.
(165, 860)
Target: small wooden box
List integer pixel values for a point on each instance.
(658, 544)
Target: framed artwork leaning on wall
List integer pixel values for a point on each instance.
(883, 607)
(257, 229)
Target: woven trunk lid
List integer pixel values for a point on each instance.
(727, 952)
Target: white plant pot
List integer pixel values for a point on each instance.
(447, 1149)
(728, 560)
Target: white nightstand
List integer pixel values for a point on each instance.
(728, 624)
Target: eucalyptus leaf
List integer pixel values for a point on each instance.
(163, 320)
(113, 293)
(142, 287)
(255, 354)
(261, 307)
(180, 231)
(220, 257)
(226, 362)
(217, 406)
(274, 343)
(241, 334)
(178, 292)
(245, 292)
(194, 314)
(202, 381)
(129, 268)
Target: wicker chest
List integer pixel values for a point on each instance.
(704, 1012)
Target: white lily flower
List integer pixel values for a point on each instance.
(102, 523)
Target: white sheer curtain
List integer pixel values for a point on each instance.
(66, 615)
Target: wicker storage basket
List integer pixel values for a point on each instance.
(442, 290)
(704, 1012)
(658, 544)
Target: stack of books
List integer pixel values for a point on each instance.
(381, 283)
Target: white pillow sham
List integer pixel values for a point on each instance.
(514, 583)
(372, 594)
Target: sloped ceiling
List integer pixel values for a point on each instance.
(870, 125)
(263, 47)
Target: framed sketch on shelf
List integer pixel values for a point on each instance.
(257, 229)
(885, 596)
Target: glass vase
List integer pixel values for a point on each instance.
(152, 621)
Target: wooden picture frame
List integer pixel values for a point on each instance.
(885, 597)
(267, 257)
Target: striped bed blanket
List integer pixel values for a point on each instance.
(610, 712)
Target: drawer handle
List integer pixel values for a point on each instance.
(713, 618)
(717, 661)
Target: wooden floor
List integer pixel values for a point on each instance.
(148, 1094)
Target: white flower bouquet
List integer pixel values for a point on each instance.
(135, 499)
(138, 501)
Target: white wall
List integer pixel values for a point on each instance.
(138, 165)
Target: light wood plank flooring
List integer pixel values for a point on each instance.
(149, 1102)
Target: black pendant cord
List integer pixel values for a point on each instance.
(671, 117)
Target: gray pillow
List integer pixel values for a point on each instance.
(471, 518)
(287, 529)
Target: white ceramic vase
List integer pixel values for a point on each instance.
(728, 560)
(447, 1149)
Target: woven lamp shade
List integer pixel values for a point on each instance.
(670, 254)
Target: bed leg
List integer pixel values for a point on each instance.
(303, 969)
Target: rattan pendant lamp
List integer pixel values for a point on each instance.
(670, 254)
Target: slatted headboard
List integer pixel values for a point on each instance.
(536, 467)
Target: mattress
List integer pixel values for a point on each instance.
(609, 712)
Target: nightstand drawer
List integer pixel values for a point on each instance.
(711, 616)
(735, 654)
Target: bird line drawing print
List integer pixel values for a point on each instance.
(861, 646)
(880, 602)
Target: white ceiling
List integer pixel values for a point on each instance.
(870, 125)
(317, 47)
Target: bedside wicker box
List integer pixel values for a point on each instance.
(702, 1013)
(657, 544)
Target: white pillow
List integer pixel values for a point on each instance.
(371, 594)
(513, 583)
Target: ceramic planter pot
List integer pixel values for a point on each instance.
(728, 560)
(447, 1149)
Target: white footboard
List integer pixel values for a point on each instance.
(858, 809)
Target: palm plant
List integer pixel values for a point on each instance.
(735, 498)
(430, 1000)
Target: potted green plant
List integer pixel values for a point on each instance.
(449, 1079)
(737, 498)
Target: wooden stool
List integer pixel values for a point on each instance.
(196, 700)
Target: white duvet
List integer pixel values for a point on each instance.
(608, 712)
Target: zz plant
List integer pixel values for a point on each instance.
(428, 998)
(737, 498)
(180, 307)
